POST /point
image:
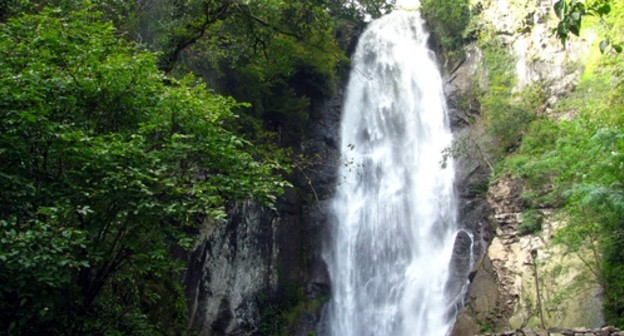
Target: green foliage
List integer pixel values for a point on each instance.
(571, 13)
(486, 325)
(531, 222)
(104, 170)
(119, 11)
(447, 21)
(374, 8)
(277, 314)
(276, 55)
(37, 257)
(541, 136)
(506, 114)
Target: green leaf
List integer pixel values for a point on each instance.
(562, 31)
(561, 7)
(575, 27)
(604, 9)
(604, 44)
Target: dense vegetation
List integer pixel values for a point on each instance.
(113, 149)
(578, 165)
(448, 22)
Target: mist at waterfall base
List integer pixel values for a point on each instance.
(394, 209)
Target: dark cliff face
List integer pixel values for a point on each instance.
(245, 265)
(228, 270)
(245, 274)
(317, 181)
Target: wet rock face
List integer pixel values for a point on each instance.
(317, 181)
(241, 267)
(459, 87)
(461, 263)
(493, 294)
(233, 264)
(472, 175)
(472, 172)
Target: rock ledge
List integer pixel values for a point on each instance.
(605, 331)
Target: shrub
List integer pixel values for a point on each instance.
(531, 222)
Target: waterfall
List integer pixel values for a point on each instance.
(394, 208)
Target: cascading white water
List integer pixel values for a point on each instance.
(394, 207)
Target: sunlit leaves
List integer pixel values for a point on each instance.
(606, 44)
(571, 13)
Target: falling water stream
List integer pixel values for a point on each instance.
(395, 212)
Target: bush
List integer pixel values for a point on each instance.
(530, 222)
(506, 114)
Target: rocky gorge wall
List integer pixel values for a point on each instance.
(527, 280)
(521, 280)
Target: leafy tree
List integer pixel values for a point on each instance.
(277, 55)
(448, 21)
(105, 170)
(571, 13)
(358, 10)
(182, 25)
(120, 12)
